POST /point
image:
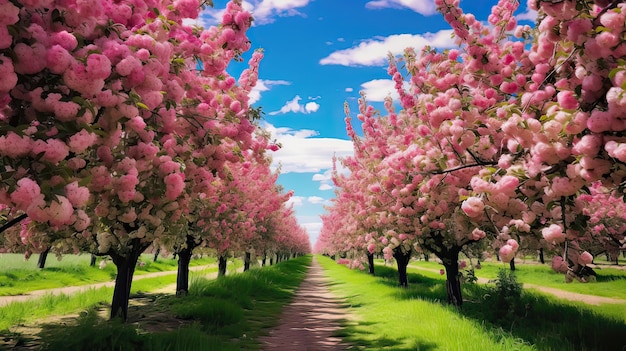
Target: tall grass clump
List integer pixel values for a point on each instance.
(505, 296)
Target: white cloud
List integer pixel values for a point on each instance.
(529, 15)
(379, 89)
(324, 187)
(424, 7)
(315, 200)
(265, 11)
(373, 52)
(262, 86)
(296, 107)
(296, 201)
(325, 179)
(349, 90)
(311, 107)
(322, 177)
(301, 152)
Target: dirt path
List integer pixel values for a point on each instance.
(571, 296)
(68, 290)
(308, 323)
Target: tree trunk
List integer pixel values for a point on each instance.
(453, 284)
(182, 278)
(512, 264)
(221, 270)
(370, 262)
(272, 260)
(246, 262)
(541, 258)
(402, 260)
(92, 262)
(121, 293)
(41, 262)
(156, 254)
(264, 259)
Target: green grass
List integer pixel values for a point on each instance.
(50, 305)
(18, 276)
(418, 318)
(229, 313)
(611, 282)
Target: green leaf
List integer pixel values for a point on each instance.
(143, 106)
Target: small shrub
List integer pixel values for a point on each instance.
(506, 295)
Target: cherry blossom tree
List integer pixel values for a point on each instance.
(93, 98)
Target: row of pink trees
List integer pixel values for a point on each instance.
(115, 117)
(499, 139)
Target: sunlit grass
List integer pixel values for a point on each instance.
(419, 317)
(610, 282)
(18, 276)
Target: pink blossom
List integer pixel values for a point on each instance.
(59, 211)
(98, 66)
(512, 243)
(585, 258)
(82, 221)
(8, 78)
(473, 207)
(507, 184)
(127, 65)
(506, 253)
(136, 124)
(128, 217)
(64, 39)
(77, 195)
(80, 141)
(567, 100)
(559, 264)
(125, 186)
(58, 59)
(553, 234)
(26, 192)
(29, 59)
(15, 146)
(5, 37)
(174, 185)
(588, 145)
(52, 150)
(65, 111)
(477, 234)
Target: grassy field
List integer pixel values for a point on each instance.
(611, 282)
(390, 318)
(232, 312)
(18, 276)
(220, 314)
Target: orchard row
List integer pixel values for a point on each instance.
(121, 129)
(514, 142)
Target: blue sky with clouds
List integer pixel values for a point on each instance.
(320, 54)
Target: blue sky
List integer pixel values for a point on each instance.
(320, 54)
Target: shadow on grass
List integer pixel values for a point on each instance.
(355, 333)
(545, 322)
(228, 313)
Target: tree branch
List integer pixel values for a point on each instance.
(13, 222)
